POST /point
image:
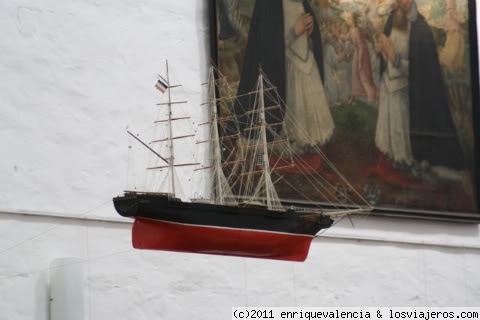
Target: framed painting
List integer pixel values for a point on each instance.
(388, 91)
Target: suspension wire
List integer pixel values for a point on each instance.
(56, 226)
(88, 261)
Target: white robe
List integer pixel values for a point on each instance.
(393, 124)
(308, 120)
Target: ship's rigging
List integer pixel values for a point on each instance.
(263, 200)
(246, 165)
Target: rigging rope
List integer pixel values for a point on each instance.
(22, 274)
(317, 181)
(56, 226)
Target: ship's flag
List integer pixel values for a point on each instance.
(161, 85)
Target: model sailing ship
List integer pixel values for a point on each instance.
(244, 215)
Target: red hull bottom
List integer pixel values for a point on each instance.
(170, 236)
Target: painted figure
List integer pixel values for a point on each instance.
(232, 32)
(362, 81)
(393, 125)
(414, 121)
(284, 40)
(452, 54)
(331, 62)
(337, 63)
(345, 63)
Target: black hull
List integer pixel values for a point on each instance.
(163, 208)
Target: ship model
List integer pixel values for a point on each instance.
(243, 215)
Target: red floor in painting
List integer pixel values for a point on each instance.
(178, 237)
(308, 164)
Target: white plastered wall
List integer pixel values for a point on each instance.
(72, 75)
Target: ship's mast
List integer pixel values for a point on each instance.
(171, 161)
(215, 140)
(266, 166)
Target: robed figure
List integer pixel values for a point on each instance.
(284, 42)
(427, 127)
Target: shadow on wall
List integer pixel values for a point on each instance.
(412, 228)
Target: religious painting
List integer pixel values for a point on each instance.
(387, 89)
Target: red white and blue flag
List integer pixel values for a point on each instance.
(161, 85)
